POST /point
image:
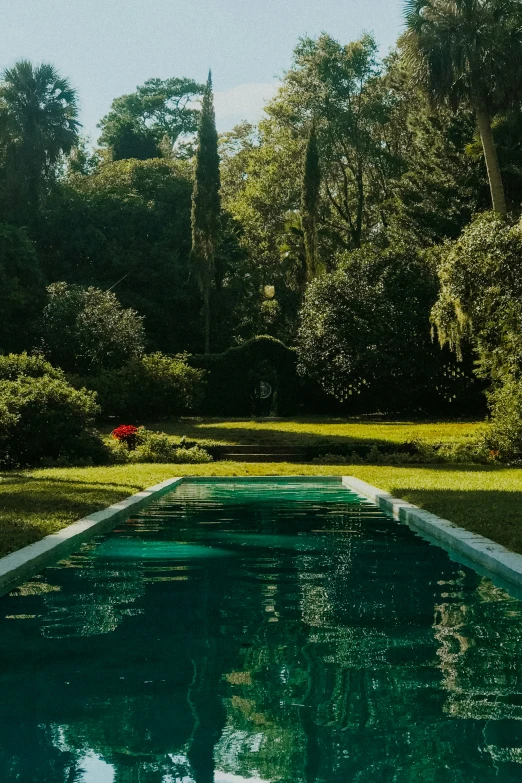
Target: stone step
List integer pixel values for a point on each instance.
(258, 448)
(262, 456)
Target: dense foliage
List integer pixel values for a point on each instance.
(127, 226)
(86, 329)
(22, 290)
(333, 227)
(44, 418)
(481, 295)
(153, 386)
(362, 338)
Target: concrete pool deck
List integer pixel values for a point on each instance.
(495, 559)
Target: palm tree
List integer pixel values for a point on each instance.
(38, 124)
(468, 51)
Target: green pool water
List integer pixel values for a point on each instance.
(260, 631)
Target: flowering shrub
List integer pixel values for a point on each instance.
(150, 446)
(126, 433)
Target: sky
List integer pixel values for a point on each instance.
(108, 47)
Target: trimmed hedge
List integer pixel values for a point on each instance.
(232, 378)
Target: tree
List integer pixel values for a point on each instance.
(468, 51)
(310, 202)
(128, 225)
(206, 204)
(160, 109)
(365, 333)
(341, 89)
(86, 329)
(441, 186)
(38, 124)
(480, 299)
(23, 290)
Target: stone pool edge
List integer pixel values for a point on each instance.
(494, 557)
(20, 565)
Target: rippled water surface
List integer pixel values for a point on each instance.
(265, 631)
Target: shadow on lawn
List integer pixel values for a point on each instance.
(496, 514)
(220, 433)
(32, 507)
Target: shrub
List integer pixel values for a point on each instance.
(505, 435)
(126, 434)
(46, 419)
(365, 335)
(13, 365)
(86, 329)
(147, 446)
(154, 386)
(157, 447)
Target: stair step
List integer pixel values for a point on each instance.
(258, 449)
(262, 457)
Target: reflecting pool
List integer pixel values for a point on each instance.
(262, 631)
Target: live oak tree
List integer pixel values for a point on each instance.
(148, 122)
(206, 204)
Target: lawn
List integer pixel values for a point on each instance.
(485, 499)
(316, 431)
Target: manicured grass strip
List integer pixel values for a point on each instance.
(485, 499)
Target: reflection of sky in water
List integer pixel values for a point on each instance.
(224, 777)
(96, 770)
(260, 633)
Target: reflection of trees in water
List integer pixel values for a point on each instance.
(480, 659)
(305, 667)
(479, 650)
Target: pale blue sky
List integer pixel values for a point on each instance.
(107, 47)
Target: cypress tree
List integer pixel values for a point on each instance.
(310, 203)
(206, 203)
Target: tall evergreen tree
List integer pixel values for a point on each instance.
(206, 203)
(310, 203)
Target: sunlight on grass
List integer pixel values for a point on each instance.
(485, 499)
(313, 431)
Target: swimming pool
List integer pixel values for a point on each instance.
(270, 631)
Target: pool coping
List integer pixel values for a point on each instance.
(494, 557)
(20, 565)
(24, 563)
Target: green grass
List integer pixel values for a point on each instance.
(485, 499)
(316, 431)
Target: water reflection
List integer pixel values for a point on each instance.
(246, 633)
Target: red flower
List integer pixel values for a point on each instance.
(126, 433)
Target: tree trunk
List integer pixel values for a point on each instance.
(498, 198)
(206, 307)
